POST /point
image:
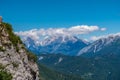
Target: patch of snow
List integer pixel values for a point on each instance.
(60, 59)
(41, 57)
(95, 48)
(56, 48)
(84, 50)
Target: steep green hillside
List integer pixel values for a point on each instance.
(49, 74)
(98, 68)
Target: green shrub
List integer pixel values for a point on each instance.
(1, 67)
(17, 49)
(7, 44)
(4, 75)
(12, 37)
(31, 56)
(1, 48)
(15, 64)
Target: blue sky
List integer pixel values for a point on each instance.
(28, 14)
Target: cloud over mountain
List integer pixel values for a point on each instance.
(36, 34)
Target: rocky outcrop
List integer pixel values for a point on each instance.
(14, 57)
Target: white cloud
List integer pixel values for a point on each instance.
(103, 29)
(37, 34)
(83, 29)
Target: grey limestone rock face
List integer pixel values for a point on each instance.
(16, 61)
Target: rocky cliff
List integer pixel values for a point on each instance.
(15, 60)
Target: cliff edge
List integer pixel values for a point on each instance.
(16, 63)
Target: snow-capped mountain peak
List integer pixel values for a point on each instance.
(60, 39)
(56, 44)
(100, 44)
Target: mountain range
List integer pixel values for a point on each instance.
(71, 45)
(70, 55)
(109, 45)
(68, 45)
(97, 61)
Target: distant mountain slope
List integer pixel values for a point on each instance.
(95, 68)
(98, 61)
(50, 74)
(68, 45)
(108, 45)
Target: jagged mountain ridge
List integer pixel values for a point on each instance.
(14, 58)
(68, 45)
(107, 45)
(71, 45)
